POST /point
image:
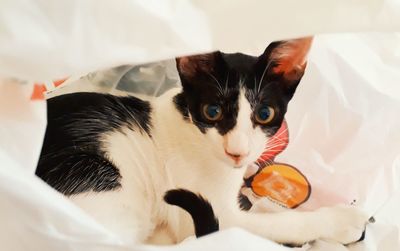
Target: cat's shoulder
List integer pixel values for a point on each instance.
(80, 100)
(107, 109)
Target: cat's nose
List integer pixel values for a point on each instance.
(236, 145)
(237, 157)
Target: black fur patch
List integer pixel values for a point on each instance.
(181, 105)
(78, 172)
(72, 160)
(244, 202)
(205, 222)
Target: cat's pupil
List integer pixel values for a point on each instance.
(264, 113)
(213, 111)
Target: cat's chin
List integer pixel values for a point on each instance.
(238, 166)
(232, 164)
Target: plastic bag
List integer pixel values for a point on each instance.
(342, 122)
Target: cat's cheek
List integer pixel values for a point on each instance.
(214, 141)
(258, 143)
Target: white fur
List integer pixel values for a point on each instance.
(178, 155)
(237, 140)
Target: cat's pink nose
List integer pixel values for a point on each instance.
(237, 157)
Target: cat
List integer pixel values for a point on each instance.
(117, 156)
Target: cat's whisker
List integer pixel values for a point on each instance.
(226, 84)
(219, 86)
(272, 143)
(267, 161)
(277, 143)
(269, 147)
(255, 83)
(267, 157)
(262, 76)
(280, 136)
(280, 133)
(273, 150)
(262, 158)
(280, 139)
(277, 139)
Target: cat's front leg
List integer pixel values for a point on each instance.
(341, 223)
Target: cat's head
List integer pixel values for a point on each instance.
(237, 101)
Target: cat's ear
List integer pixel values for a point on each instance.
(196, 66)
(287, 60)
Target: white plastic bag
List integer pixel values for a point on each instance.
(342, 121)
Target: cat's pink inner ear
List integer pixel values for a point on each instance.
(291, 57)
(183, 65)
(189, 66)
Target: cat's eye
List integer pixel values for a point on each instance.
(212, 112)
(264, 114)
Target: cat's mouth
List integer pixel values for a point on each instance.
(237, 157)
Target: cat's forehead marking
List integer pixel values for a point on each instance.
(245, 111)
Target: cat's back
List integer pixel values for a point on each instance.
(73, 159)
(109, 111)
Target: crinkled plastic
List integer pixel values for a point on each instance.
(74, 37)
(343, 121)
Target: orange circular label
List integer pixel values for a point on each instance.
(282, 184)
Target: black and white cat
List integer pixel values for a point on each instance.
(116, 157)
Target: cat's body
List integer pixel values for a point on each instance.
(117, 156)
(148, 165)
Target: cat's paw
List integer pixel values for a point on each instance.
(346, 224)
